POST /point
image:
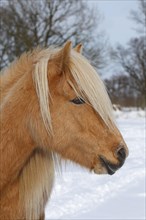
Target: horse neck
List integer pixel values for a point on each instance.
(16, 142)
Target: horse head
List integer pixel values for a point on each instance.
(78, 121)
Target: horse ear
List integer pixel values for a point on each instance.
(63, 55)
(66, 49)
(79, 48)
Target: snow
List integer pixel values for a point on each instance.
(79, 194)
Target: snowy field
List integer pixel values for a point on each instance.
(79, 194)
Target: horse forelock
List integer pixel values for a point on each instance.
(91, 87)
(40, 77)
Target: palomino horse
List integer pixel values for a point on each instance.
(52, 103)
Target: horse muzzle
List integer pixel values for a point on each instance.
(105, 166)
(111, 168)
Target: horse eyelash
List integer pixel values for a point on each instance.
(77, 101)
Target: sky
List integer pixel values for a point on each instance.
(116, 22)
(117, 25)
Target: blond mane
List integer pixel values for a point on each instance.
(90, 86)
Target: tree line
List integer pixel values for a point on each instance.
(26, 24)
(128, 87)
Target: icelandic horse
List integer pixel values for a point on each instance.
(52, 103)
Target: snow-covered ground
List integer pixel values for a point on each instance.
(78, 194)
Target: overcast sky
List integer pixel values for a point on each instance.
(116, 22)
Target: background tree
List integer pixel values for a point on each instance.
(132, 57)
(26, 24)
(121, 91)
(139, 17)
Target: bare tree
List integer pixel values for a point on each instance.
(132, 60)
(26, 24)
(121, 92)
(139, 16)
(132, 57)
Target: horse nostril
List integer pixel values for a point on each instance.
(121, 154)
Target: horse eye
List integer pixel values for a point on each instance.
(78, 101)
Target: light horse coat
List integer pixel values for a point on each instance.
(52, 103)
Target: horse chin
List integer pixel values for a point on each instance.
(98, 169)
(103, 170)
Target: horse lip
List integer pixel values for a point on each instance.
(111, 170)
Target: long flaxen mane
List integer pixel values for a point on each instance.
(86, 84)
(90, 86)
